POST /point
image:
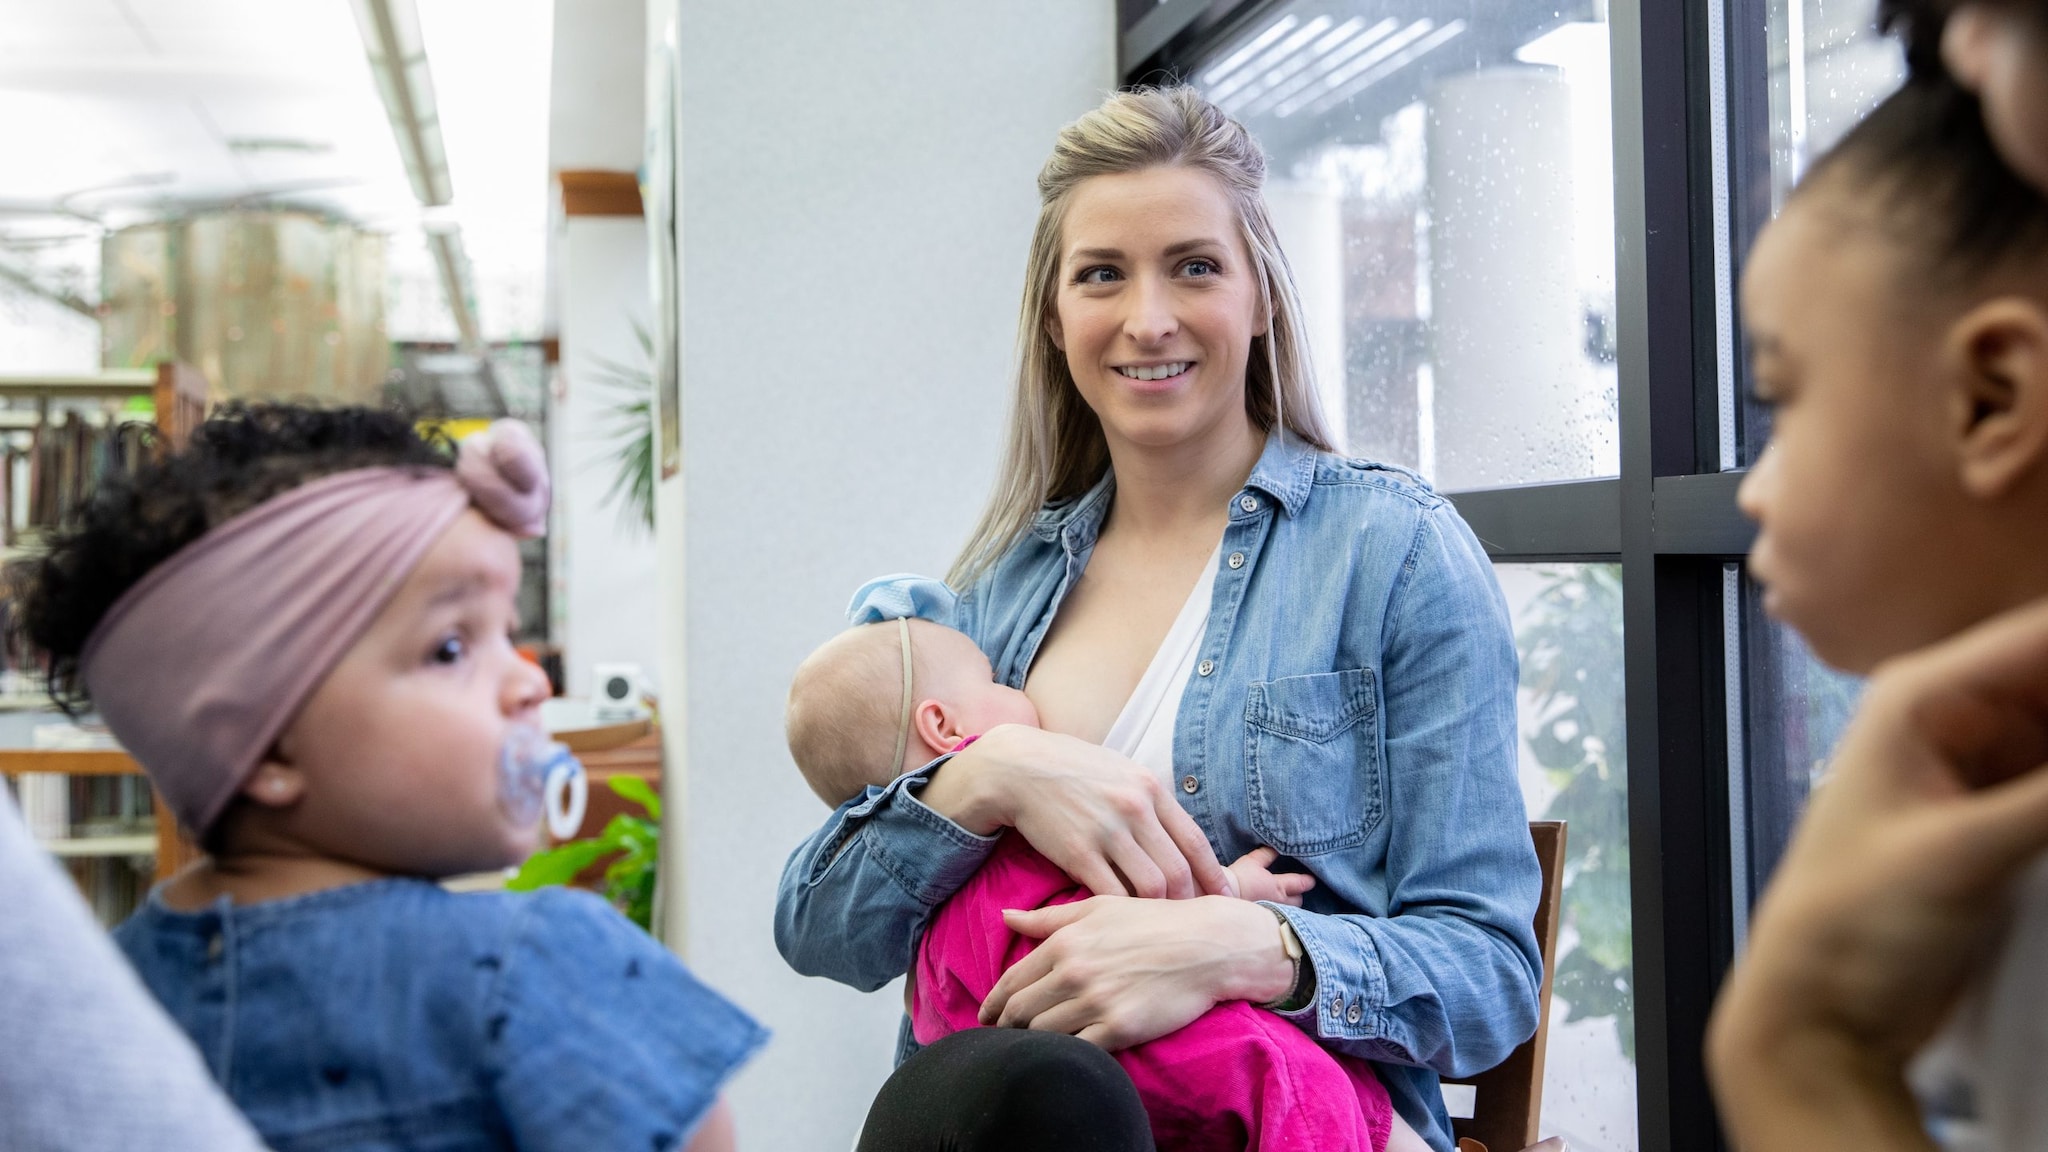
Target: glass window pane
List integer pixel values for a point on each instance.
(1796, 710)
(1827, 68)
(1574, 767)
(1441, 176)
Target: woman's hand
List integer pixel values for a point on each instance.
(1116, 971)
(1104, 820)
(1888, 895)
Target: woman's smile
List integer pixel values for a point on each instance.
(1156, 378)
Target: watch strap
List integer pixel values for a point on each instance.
(1302, 992)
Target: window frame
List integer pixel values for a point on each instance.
(1691, 126)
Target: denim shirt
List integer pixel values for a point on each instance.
(1353, 708)
(394, 1015)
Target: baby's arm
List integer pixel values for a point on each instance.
(1257, 881)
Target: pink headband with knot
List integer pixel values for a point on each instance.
(200, 666)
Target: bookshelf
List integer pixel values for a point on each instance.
(86, 801)
(178, 391)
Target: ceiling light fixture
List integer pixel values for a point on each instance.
(453, 265)
(1329, 54)
(398, 60)
(1231, 63)
(1274, 55)
(1400, 52)
(1284, 68)
(1344, 54)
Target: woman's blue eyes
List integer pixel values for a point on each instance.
(1103, 274)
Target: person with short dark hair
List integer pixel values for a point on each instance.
(1898, 314)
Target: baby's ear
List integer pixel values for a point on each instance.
(274, 784)
(2001, 404)
(935, 724)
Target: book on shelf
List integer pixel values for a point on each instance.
(103, 828)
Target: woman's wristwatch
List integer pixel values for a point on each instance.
(1302, 992)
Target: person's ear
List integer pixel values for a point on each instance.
(937, 726)
(1053, 330)
(1967, 38)
(2000, 349)
(274, 784)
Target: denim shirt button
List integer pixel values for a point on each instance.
(1204, 668)
(215, 945)
(1237, 559)
(1354, 1015)
(1336, 1004)
(1190, 785)
(1249, 504)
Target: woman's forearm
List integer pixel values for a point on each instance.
(854, 896)
(965, 792)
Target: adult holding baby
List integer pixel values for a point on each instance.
(1296, 651)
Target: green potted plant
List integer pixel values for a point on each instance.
(629, 848)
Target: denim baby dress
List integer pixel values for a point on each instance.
(394, 1015)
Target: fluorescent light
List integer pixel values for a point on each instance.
(1341, 57)
(398, 59)
(1273, 56)
(1392, 62)
(1273, 31)
(1335, 49)
(1288, 65)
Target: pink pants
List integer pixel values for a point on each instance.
(1238, 1078)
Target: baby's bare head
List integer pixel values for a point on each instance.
(848, 704)
(846, 708)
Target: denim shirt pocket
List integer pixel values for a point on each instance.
(1312, 761)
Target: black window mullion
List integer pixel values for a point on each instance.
(1672, 612)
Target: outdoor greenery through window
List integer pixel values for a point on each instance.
(1574, 767)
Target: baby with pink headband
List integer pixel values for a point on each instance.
(301, 627)
(884, 698)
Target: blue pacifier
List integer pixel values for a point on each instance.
(539, 776)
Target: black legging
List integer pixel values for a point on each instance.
(1008, 1090)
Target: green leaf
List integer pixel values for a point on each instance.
(559, 865)
(638, 791)
(628, 431)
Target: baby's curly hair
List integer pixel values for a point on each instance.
(240, 457)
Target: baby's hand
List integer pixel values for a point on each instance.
(1257, 881)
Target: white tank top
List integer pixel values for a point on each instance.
(1144, 729)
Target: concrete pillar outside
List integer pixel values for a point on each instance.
(1514, 398)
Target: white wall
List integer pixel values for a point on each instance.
(857, 196)
(604, 572)
(602, 575)
(596, 94)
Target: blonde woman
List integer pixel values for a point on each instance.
(1234, 638)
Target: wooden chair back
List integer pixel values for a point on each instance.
(1508, 1099)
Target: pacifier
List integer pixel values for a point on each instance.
(538, 776)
